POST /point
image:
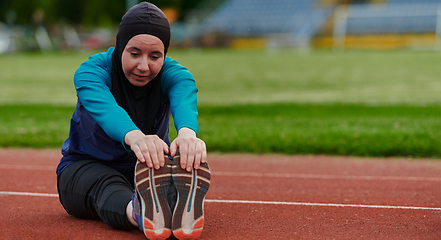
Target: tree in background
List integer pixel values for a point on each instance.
(84, 13)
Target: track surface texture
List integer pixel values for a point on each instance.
(251, 197)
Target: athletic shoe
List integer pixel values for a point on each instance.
(188, 215)
(150, 207)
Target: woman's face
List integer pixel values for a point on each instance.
(142, 59)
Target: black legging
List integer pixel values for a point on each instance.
(89, 189)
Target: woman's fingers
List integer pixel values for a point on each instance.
(190, 155)
(150, 149)
(201, 154)
(138, 153)
(192, 152)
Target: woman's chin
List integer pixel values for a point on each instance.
(138, 82)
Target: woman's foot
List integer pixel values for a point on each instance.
(151, 210)
(188, 215)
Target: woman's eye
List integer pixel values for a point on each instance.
(155, 57)
(134, 54)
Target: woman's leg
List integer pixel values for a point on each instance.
(89, 189)
(129, 214)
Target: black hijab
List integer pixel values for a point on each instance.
(141, 103)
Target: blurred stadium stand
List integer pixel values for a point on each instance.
(292, 22)
(413, 1)
(395, 23)
(392, 18)
(322, 23)
(264, 24)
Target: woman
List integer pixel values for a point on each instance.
(118, 164)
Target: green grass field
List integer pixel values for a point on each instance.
(364, 103)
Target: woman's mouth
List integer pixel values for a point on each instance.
(142, 77)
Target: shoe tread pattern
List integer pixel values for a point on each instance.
(185, 186)
(148, 182)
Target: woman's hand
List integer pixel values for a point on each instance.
(192, 150)
(147, 148)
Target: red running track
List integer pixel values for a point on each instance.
(251, 197)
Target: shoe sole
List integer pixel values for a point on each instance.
(188, 216)
(152, 185)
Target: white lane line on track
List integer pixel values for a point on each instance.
(318, 176)
(6, 193)
(322, 204)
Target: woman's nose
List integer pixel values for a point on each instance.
(143, 64)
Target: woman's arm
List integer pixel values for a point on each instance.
(180, 88)
(93, 85)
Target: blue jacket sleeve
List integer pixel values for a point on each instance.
(93, 85)
(178, 85)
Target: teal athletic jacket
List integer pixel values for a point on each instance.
(98, 124)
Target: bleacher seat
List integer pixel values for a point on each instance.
(396, 17)
(262, 17)
(413, 1)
